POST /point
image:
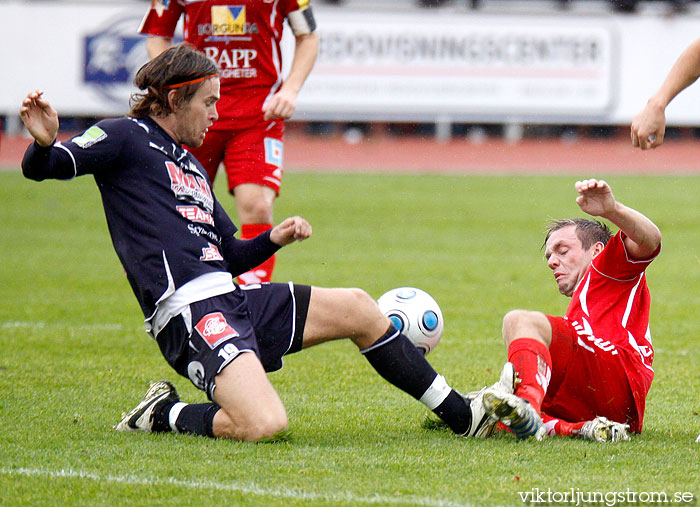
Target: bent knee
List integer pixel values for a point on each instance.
(361, 298)
(526, 324)
(367, 312)
(257, 212)
(263, 430)
(515, 317)
(252, 429)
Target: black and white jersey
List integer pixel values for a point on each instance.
(166, 225)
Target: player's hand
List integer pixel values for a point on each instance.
(290, 230)
(39, 117)
(595, 197)
(648, 127)
(281, 106)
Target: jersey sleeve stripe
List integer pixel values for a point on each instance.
(75, 166)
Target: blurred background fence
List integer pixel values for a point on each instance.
(436, 67)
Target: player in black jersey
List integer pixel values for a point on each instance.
(178, 249)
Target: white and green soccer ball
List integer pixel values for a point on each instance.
(416, 314)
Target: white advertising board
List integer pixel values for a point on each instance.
(463, 66)
(407, 65)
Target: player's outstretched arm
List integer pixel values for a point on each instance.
(649, 126)
(284, 102)
(642, 235)
(39, 117)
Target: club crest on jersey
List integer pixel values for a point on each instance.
(190, 187)
(214, 329)
(91, 136)
(211, 253)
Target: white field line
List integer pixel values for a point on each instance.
(250, 488)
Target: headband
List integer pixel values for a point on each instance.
(194, 81)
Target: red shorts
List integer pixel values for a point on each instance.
(588, 381)
(250, 155)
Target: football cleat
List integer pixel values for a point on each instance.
(141, 417)
(482, 425)
(514, 412)
(698, 439)
(602, 429)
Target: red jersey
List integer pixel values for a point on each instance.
(610, 311)
(244, 41)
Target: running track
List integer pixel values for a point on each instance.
(412, 154)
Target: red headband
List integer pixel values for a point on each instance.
(194, 81)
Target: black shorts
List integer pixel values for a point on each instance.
(266, 319)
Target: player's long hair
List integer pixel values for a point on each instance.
(179, 64)
(588, 231)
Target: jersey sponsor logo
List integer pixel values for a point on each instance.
(211, 253)
(586, 331)
(91, 136)
(189, 187)
(214, 329)
(233, 63)
(195, 214)
(227, 21)
(274, 151)
(199, 230)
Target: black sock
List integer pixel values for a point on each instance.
(455, 411)
(196, 419)
(400, 363)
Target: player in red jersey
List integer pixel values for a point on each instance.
(244, 41)
(587, 373)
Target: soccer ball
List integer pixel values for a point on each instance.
(416, 314)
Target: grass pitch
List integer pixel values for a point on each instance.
(74, 354)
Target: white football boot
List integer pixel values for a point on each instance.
(482, 425)
(141, 417)
(602, 429)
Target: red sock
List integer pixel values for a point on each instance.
(262, 273)
(560, 427)
(533, 364)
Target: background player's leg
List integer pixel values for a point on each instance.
(255, 204)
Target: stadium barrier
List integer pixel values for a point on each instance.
(408, 65)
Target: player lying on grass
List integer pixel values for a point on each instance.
(178, 249)
(587, 373)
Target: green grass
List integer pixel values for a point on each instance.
(74, 354)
